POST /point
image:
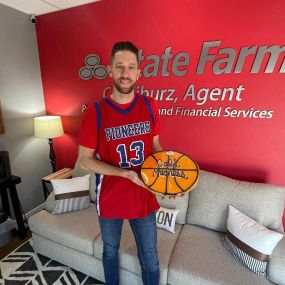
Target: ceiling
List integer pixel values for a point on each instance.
(39, 7)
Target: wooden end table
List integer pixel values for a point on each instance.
(60, 174)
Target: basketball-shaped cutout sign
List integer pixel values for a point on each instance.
(169, 173)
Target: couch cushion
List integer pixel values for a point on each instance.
(179, 203)
(50, 202)
(200, 258)
(275, 268)
(77, 230)
(128, 252)
(209, 201)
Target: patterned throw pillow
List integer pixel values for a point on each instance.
(71, 194)
(165, 219)
(250, 242)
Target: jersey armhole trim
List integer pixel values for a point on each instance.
(149, 108)
(98, 116)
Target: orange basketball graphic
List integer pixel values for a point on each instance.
(169, 173)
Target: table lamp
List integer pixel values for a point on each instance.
(48, 127)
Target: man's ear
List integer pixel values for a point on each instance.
(109, 71)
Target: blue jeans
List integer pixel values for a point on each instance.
(145, 234)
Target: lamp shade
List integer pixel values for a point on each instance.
(47, 127)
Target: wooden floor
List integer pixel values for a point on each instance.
(13, 244)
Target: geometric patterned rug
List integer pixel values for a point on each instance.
(25, 267)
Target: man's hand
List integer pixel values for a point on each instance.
(133, 176)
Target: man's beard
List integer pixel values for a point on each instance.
(124, 90)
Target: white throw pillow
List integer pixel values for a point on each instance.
(71, 194)
(249, 241)
(79, 171)
(165, 219)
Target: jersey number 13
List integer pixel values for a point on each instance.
(136, 151)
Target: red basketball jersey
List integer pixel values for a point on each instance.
(125, 138)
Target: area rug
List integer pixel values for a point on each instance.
(25, 267)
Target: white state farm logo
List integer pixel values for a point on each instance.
(93, 68)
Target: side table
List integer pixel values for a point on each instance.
(60, 174)
(10, 184)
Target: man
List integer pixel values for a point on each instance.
(121, 130)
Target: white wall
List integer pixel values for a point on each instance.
(21, 97)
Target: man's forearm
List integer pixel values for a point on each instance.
(157, 148)
(101, 167)
(104, 168)
(156, 144)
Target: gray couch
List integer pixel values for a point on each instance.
(194, 254)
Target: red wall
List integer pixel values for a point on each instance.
(240, 147)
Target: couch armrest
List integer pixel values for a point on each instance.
(276, 265)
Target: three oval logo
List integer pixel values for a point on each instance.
(93, 68)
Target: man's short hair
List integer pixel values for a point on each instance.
(119, 46)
